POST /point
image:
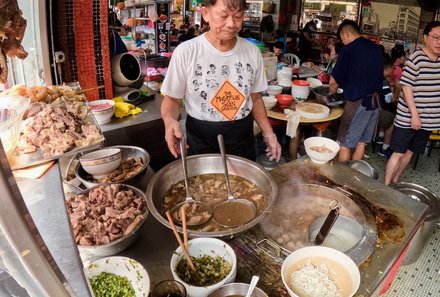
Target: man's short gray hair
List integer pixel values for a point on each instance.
(231, 4)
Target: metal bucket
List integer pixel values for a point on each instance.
(425, 231)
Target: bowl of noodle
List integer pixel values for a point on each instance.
(318, 271)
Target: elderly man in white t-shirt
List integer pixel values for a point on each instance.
(221, 76)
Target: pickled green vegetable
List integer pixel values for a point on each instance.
(209, 270)
(111, 285)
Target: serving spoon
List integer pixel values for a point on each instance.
(199, 208)
(234, 211)
(252, 286)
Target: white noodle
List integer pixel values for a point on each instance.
(313, 281)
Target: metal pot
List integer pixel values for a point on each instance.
(299, 205)
(127, 151)
(205, 164)
(322, 94)
(419, 240)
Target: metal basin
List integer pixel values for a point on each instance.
(205, 164)
(119, 244)
(127, 151)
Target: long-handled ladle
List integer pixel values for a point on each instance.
(195, 209)
(235, 211)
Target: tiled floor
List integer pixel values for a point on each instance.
(422, 278)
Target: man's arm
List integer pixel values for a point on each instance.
(170, 115)
(259, 113)
(333, 85)
(409, 99)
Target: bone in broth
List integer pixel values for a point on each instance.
(211, 188)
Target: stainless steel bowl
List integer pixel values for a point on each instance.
(127, 151)
(364, 168)
(322, 94)
(239, 289)
(205, 164)
(119, 244)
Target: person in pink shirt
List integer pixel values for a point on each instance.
(398, 58)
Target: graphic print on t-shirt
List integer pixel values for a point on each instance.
(228, 100)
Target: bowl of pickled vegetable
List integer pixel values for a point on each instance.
(120, 276)
(215, 263)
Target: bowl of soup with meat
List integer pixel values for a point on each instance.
(321, 149)
(249, 180)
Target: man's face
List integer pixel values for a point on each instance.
(344, 37)
(432, 40)
(224, 22)
(277, 51)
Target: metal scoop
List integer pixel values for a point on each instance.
(333, 215)
(197, 212)
(235, 211)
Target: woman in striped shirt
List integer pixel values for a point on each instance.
(418, 109)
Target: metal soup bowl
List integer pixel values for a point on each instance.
(208, 164)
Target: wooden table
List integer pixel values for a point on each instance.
(278, 114)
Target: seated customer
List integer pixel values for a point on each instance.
(278, 51)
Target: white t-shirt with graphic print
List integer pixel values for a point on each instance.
(216, 85)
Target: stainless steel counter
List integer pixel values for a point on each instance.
(44, 198)
(147, 118)
(156, 244)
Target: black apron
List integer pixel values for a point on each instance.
(238, 136)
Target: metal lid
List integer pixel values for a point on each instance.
(421, 194)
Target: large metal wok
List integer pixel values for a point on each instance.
(205, 164)
(299, 205)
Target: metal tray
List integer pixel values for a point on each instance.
(26, 160)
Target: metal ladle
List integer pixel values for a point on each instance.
(333, 215)
(235, 211)
(199, 208)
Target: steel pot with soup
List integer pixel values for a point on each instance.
(207, 183)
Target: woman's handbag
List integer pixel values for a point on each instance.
(268, 7)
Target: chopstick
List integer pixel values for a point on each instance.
(185, 251)
(89, 89)
(185, 232)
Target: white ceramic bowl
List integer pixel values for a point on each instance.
(103, 110)
(314, 82)
(343, 271)
(320, 157)
(273, 90)
(101, 162)
(122, 266)
(205, 246)
(269, 101)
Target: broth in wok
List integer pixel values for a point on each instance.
(211, 188)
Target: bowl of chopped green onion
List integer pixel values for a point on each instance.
(120, 276)
(215, 263)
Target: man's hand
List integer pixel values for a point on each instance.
(173, 134)
(273, 150)
(416, 123)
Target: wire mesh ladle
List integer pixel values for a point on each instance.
(197, 212)
(235, 211)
